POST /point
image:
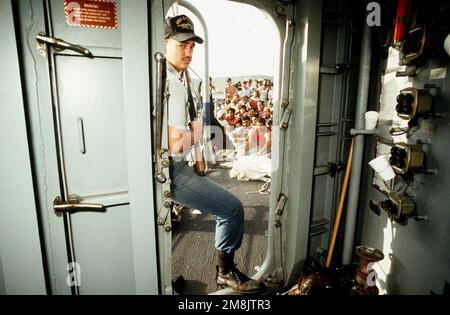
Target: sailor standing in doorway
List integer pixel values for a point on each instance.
(188, 188)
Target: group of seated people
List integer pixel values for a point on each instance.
(245, 138)
(247, 122)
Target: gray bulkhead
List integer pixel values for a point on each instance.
(124, 250)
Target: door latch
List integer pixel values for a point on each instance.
(59, 45)
(161, 155)
(73, 205)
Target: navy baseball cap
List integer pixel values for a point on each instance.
(180, 28)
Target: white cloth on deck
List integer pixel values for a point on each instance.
(255, 167)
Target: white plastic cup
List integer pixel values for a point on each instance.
(371, 120)
(380, 163)
(387, 174)
(447, 44)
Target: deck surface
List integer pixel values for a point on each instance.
(193, 249)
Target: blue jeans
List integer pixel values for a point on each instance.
(199, 192)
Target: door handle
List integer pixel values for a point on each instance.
(73, 205)
(60, 44)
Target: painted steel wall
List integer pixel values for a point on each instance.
(417, 256)
(21, 266)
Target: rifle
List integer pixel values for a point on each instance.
(199, 161)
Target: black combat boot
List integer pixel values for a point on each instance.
(228, 276)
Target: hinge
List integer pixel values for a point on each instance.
(282, 198)
(284, 124)
(164, 215)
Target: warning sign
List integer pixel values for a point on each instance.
(91, 13)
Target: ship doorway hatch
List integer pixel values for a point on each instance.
(193, 253)
(84, 141)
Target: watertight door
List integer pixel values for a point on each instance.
(84, 131)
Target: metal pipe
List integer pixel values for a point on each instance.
(357, 132)
(355, 177)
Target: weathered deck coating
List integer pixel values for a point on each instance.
(193, 238)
